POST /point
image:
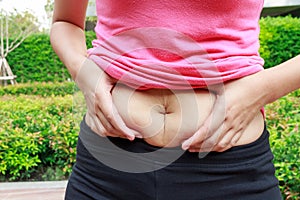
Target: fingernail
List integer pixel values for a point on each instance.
(234, 140)
(130, 137)
(185, 145)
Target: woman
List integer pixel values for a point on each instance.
(174, 91)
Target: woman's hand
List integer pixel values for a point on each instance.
(235, 107)
(102, 115)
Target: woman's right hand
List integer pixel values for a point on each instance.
(68, 41)
(102, 115)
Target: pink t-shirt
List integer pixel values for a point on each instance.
(177, 44)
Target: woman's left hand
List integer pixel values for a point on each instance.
(236, 105)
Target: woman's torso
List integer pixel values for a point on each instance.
(140, 43)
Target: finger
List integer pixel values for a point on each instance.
(106, 106)
(88, 119)
(206, 135)
(137, 134)
(209, 127)
(119, 132)
(91, 115)
(195, 139)
(194, 150)
(227, 140)
(107, 128)
(112, 131)
(90, 102)
(91, 122)
(237, 137)
(224, 126)
(222, 138)
(200, 135)
(209, 143)
(230, 137)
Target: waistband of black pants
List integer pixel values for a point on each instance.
(139, 149)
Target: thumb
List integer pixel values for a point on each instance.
(200, 135)
(215, 119)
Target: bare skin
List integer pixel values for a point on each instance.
(166, 118)
(244, 97)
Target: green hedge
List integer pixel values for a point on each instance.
(283, 117)
(38, 136)
(40, 88)
(35, 60)
(38, 133)
(279, 39)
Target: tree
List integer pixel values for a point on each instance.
(14, 29)
(49, 7)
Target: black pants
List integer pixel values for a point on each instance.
(115, 168)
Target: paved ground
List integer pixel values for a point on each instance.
(52, 190)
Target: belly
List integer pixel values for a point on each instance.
(166, 118)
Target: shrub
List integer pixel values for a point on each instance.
(89, 36)
(283, 117)
(35, 61)
(42, 89)
(279, 39)
(37, 131)
(38, 136)
(18, 152)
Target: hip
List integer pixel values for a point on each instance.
(145, 171)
